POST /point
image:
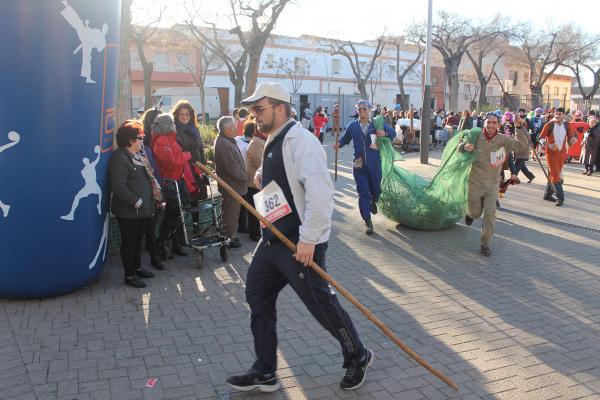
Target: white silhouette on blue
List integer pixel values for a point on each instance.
(91, 186)
(14, 138)
(90, 38)
(103, 242)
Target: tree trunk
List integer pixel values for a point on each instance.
(202, 105)
(362, 88)
(403, 103)
(238, 87)
(202, 70)
(252, 74)
(537, 97)
(124, 107)
(483, 93)
(148, 70)
(452, 75)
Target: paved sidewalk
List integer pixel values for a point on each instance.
(523, 324)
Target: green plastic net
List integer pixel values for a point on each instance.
(421, 204)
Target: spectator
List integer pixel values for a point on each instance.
(451, 123)
(242, 144)
(132, 199)
(591, 143)
(171, 161)
(253, 163)
(241, 121)
(466, 122)
(535, 125)
(230, 167)
(319, 122)
(150, 223)
(306, 117)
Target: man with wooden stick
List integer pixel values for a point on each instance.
(555, 134)
(297, 198)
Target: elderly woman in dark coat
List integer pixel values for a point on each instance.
(591, 143)
(132, 198)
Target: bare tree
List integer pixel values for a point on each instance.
(504, 94)
(124, 107)
(362, 70)
(141, 34)
(234, 59)
(473, 89)
(452, 36)
(294, 70)
(376, 78)
(586, 62)
(206, 62)
(262, 18)
(478, 54)
(411, 39)
(545, 50)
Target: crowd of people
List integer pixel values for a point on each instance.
(263, 152)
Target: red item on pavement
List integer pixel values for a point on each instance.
(151, 382)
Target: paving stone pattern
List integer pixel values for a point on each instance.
(523, 324)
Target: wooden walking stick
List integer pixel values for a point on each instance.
(368, 313)
(543, 169)
(336, 126)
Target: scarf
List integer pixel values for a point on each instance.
(489, 136)
(156, 190)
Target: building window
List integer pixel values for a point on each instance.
(526, 76)
(556, 90)
(513, 75)
(183, 62)
(335, 66)
(300, 65)
(270, 60)
(391, 70)
(565, 90)
(490, 90)
(546, 89)
(161, 62)
(434, 81)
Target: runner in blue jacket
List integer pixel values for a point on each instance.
(367, 160)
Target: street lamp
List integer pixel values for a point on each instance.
(426, 115)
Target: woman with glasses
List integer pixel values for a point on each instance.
(132, 198)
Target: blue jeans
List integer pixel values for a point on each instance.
(521, 167)
(368, 186)
(560, 194)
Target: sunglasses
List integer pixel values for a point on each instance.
(363, 109)
(261, 109)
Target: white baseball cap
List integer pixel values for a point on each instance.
(271, 90)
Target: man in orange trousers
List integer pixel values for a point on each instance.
(555, 135)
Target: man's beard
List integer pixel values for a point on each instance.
(265, 128)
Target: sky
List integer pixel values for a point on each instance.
(360, 20)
